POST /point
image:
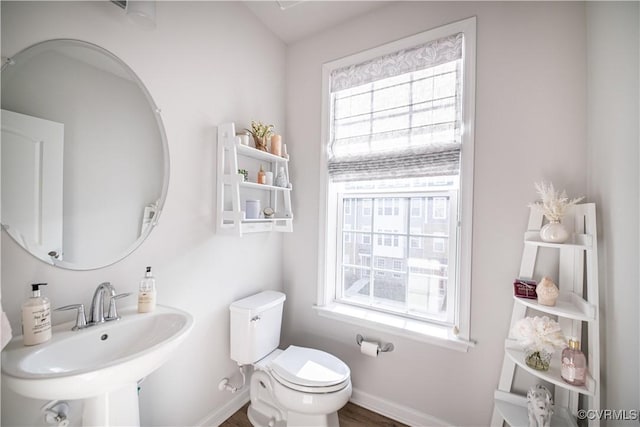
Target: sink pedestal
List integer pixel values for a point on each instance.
(116, 408)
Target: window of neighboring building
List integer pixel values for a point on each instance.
(439, 208)
(366, 207)
(400, 138)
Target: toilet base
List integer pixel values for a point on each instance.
(260, 419)
(266, 411)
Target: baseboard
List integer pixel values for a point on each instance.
(395, 411)
(373, 403)
(217, 417)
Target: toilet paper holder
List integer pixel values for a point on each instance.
(381, 349)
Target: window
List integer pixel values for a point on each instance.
(395, 137)
(365, 260)
(347, 208)
(439, 208)
(416, 208)
(366, 208)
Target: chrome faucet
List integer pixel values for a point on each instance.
(96, 314)
(97, 303)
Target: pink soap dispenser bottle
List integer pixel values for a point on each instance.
(574, 364)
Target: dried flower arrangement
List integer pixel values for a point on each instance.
(553, 203)
(260, 133)
(539, 337)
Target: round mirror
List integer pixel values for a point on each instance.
(85, 162)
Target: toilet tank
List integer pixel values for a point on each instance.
(255, 326)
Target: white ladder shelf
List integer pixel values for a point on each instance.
(233, 191)
(578, 304)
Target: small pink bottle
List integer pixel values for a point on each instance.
(574, 364)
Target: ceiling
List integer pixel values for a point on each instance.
(292, 21)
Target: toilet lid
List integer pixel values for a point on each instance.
(309, 367)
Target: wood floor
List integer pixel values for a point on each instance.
(350, 416)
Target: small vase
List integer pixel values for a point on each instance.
(554, 232)
(537, 359)
(261, 142)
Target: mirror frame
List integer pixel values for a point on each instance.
(9, 61)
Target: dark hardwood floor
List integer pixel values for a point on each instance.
(350, 416)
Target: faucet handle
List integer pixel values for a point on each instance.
(113, 312)
(81, 319)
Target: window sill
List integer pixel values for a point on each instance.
(400, 326)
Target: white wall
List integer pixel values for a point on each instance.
(530, 125)
(613, 43)
(205, 63)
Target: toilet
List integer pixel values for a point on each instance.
(298, 386)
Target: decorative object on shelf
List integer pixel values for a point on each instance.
(261, 134)
(262, 177)
(539, 337)
(268, 178)
(284, 151)
(268, 212)
(281, 178)
(276, 145)
(525, 288)
(244, 138)
(547, 292)
(553, 205)
(574, 364)
(244, 173)
(252, 209)
(539, 406)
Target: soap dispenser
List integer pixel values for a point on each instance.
(36, 317)
(147, 293)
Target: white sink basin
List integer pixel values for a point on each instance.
(97, 360)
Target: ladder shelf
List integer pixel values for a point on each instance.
(577, 307)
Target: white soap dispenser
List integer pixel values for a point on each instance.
(147, 293)
(36, 317)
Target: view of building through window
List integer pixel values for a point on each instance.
(398, 257)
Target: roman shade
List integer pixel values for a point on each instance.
(398, 115)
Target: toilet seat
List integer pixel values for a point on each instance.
(309, 370)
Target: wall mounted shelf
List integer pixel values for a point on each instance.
(234, 191)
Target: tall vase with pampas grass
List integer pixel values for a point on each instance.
(554, 205)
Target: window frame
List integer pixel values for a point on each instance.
(457, 338)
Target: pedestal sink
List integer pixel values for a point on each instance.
(101, 364)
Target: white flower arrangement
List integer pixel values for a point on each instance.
(539, 334)
(554, 204)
